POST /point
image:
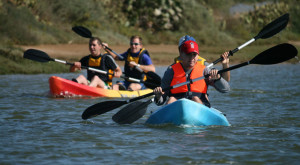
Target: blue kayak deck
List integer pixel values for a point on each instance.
(187, 112)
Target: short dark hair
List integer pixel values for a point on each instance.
(95, 39)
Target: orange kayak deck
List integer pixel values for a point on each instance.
(60, 87)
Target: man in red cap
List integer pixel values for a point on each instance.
(188, 68)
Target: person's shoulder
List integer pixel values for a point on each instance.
(168, 73)
(85, 57)
(145, 55)
(169, 68)
(108, 57)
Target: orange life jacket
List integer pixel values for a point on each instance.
(180, 77)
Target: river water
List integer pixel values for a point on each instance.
(263, 109)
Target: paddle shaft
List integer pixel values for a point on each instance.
(102, 71)
(189, 82)
(268, 31)
(119, 56)
(40, 56)
(83, 67)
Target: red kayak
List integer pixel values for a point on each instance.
(60, 87)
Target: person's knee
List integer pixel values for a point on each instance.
(97, 82)
(197, 99)
(96, 78)
(134, 87)
(171, 100)
(115, 87)
(82, 80)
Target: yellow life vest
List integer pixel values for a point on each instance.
(200, 60)
(94, 61)
(136, 59)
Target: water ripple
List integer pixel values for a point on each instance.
(262, 108)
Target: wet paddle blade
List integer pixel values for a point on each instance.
(131, 112)
(82, 31)
(274, 27)
(100, 108)
(275, 55)
(37, 55)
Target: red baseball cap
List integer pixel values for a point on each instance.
(190, 47)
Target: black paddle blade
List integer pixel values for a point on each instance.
(274, 27)
(82, 31)
(37, 55)
(153, 78)
(275, 55)
(100, 108)
(148, 83)
(131, 112)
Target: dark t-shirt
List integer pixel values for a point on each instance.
(106, 63)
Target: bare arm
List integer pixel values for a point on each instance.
(147, 68)
(225, 64)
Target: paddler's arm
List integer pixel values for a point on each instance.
(225, 64)
(145, 68)
(219, 83)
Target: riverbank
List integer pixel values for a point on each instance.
(12, 61)
(160, 54)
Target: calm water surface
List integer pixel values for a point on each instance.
(263, 108)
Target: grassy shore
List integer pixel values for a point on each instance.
(12, 61)
(160, 54)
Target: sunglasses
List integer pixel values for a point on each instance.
(134, 43)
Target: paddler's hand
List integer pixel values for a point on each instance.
(132, 64)
(214, 75)
(158, 92)
(104, 45)
(225, 61)
(117, 74)
(77, 65)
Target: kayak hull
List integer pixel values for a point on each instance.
(187, 112)
(60, 87)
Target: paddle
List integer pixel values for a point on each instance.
(274, 55)
(84, 32)
(40, 56)
(268, 31)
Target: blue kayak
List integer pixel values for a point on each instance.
(187, 112)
